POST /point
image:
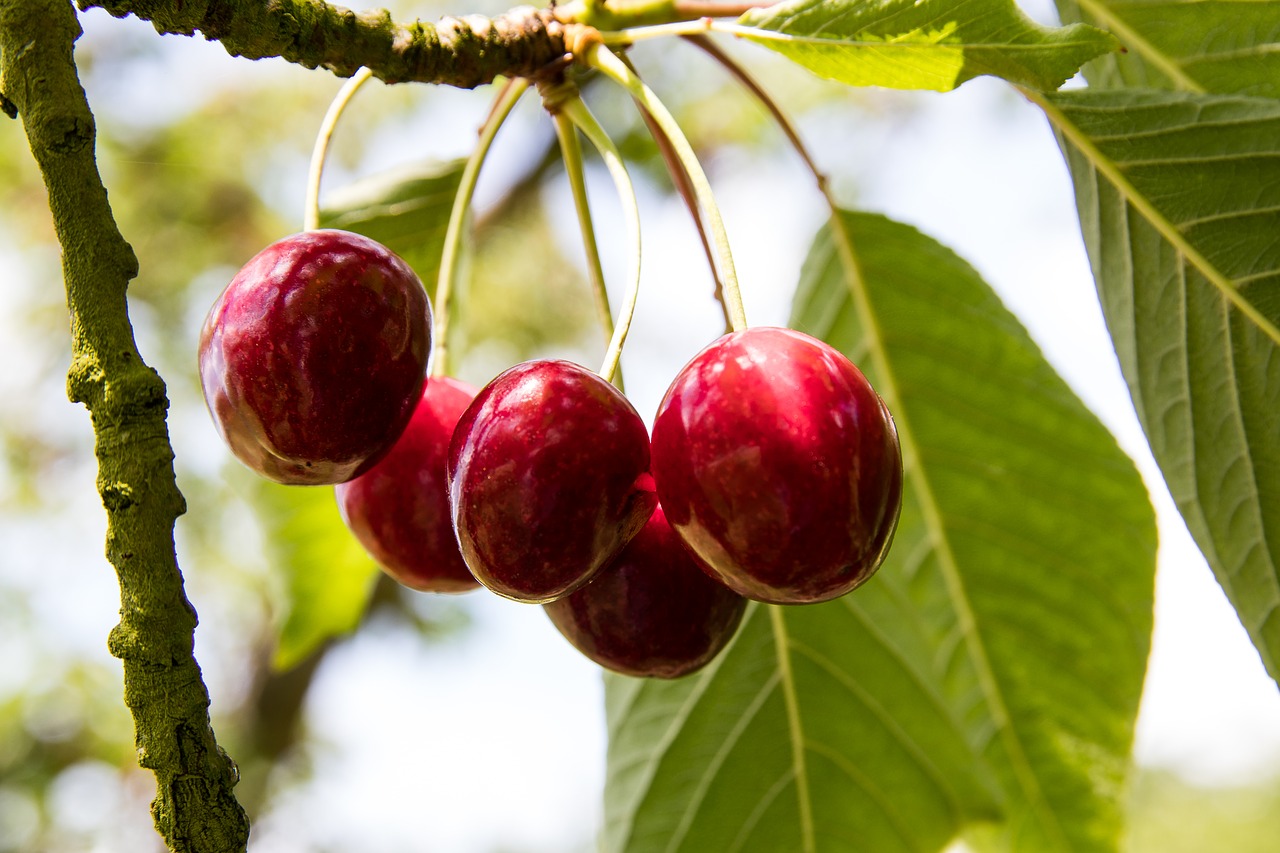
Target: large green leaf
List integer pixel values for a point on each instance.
(990, 672)
(405, 209)
(328, 577)
(923, 44)
(1179, 199)
(1224, 46)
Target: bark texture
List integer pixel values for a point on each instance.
(194, 808)
(465, 52)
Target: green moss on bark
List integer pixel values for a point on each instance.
(464, 52)
(194, 809)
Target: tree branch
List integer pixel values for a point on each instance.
(464, 52)
(194, 808)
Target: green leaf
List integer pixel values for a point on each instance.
(991, 671)
(1179, 199)
(1222, 46)
(923, 44)
(328, 577)
(405, 209)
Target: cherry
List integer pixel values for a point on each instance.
(313, 358)
(399, 508)
(548, 479)
(779, 466)
(652, 611)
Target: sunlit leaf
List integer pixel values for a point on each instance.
(405, 209)
(328, 576)
(923, 44)
(1179, 199)
(990, 672)
(1223, 46)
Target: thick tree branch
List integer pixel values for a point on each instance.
(464, 52)
(194, 808)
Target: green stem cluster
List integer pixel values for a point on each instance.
(601, 58)
(194, 809)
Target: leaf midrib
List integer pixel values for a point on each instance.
(782, 645)
(763, 34)
(1110, 170)
(1132, 40)
(936, 529)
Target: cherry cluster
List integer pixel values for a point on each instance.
(773, 473)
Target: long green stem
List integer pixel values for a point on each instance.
(571, 151)
(502, 107)
(576, 110)
(311, 216)
(779, 117)
(614, 68)
(680, 179)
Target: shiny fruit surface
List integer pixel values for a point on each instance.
(652, 611)
(399, 508)
(548, 479)
(313, 358)
(779, 466)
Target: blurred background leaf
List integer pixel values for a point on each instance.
(404, 209)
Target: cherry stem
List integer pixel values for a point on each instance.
(611, 66)
(680, 180)
(502, 106)
(311, 213)
(575, 109)
(571, 151)
(784, 124)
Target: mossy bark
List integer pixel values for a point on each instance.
(194, 809)
(464, 52)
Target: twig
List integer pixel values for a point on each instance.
(194, 808)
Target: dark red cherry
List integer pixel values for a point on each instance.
(548, 479)
(399, 508)
(313, 358)
(779, 466)
(652, 611)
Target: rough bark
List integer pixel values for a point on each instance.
(194, 808)
(464, 52)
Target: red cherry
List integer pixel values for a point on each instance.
(779, 466)
(548, 479)
(652, 611)
(313, 358)
(399, 508)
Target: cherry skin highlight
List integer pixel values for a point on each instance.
(779, 466)
(548, 479)
(652, 611)
(399, 508)
(313, 358)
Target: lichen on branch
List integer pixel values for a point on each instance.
(194, 808)
(458, 51)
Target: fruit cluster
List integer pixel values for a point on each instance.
(773, 473)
